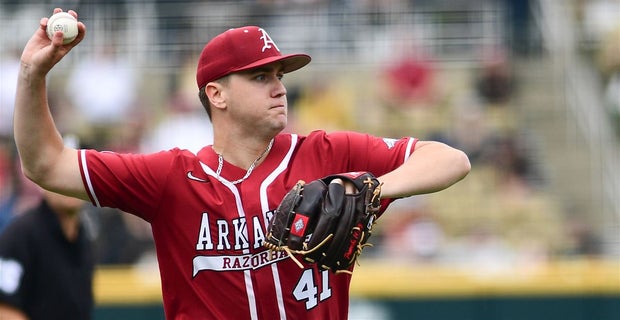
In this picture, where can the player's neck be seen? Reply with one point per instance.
(243, 154)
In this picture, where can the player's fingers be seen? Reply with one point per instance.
(73, 13)
(43, 23)
(349, 187)
(81, 28)
(81, 33)
(57, 39)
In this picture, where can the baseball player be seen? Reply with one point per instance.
(209, 211)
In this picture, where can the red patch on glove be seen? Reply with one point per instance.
(300, 223)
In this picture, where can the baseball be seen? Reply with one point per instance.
(62, 21)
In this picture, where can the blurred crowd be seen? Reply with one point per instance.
(599, 29)
(499, 216)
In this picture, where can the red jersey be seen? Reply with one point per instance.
(208, 232)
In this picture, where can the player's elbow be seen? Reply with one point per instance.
(454, 163)
(456, 166)
(34, 172)
(462, 166)
(41, 170)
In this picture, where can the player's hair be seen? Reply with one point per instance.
(204, 99)
(202, 94)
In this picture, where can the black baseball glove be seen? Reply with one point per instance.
(325, 224)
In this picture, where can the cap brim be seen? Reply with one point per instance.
(290, 62)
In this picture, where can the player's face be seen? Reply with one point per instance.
(257, 98)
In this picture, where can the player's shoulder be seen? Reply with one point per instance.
(178, 158)
(168, 155)
(184, 153)
(339, 140)
(161, 161)
(336, 136)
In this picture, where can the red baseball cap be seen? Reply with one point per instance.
(242, 49)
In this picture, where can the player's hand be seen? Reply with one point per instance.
(41, 53)
(349, 187)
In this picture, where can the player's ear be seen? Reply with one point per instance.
(214, 91)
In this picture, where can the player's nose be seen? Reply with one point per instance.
(279, 89)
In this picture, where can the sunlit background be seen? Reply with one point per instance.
(530, 90)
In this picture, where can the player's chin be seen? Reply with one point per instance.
(279, 123)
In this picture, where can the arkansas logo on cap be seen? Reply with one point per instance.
(267, 42)
(242, 49)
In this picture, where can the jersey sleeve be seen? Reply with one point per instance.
(130, 182)
(352, 151)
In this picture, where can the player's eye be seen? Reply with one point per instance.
(262, 77)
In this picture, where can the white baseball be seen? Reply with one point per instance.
(62, 21)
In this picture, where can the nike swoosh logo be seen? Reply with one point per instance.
(191, 176)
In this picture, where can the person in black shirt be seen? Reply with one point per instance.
(47, 263)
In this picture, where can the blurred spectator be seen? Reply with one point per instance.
(518, 16)
(495, 82)
(494, 226)
(103, 88)
(598, 18)
(531, 221)
(608, 56)
(410, 231)
(582, 239)
(17, 193)
(121, 238)
(499, 217)
(324, 103)
(409, 82)
(184, 123)
(406, 96)
(481, 250)
(127, 135)
(470, 128)
(612, 99)
(9, 66)
(7, 183)
(510, 157)
(182, 120)
(46, 263)
(609, 64)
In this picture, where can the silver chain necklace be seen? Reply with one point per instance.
(220, 164)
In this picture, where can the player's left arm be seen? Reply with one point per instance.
(433, 166)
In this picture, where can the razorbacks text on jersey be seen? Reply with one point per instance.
(208, 232)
